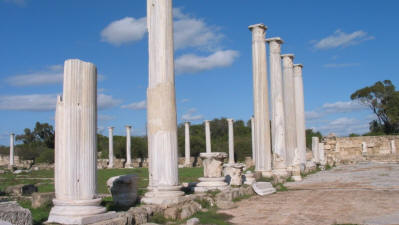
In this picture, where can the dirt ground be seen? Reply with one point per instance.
(353, 194)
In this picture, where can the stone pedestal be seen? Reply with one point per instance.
(110, 147)
(128, 163)
(187, 162)
(76, 199)
(163, 185)
(249, 178)
(261, 99)
(296, 173)
(233, 173)
(208, 136)
(12, 138)
(213, 167)
(300, 114)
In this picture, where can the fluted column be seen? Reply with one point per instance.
(128, 147)
(277, 98)
(12, 138)
(289, 111)
(76, 199)
(253, 138)
(110, 147)
(261, 111)
(187, 155)
(161, 106)
(300, 113)
(315, 150)
(231, 141)
(208, 136)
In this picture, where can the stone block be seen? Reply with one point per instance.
(123, 189)
(193, 221)
(11, 212)
(263, 188)
(21, 189)
(42, 199)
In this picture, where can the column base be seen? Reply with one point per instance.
(129, 165)
(266, 174)
(78, 212)
(211, 183)
(166, 195)
(282, 173)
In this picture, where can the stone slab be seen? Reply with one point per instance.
(80, 220)
(263, 188)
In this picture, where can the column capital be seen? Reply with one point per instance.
(12, 134)
(292, 56)
(298, 65)
(207, 121)
(230, 120)
(275, 39)
(187, 122)
(110, 128)
(258, 25)
(128, 126)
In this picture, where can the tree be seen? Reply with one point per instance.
(311, 133)
(43, 133)
(383, 100)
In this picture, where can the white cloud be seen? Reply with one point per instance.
(189, 115)
(52, 75)
(340, 65)
(344, 126)
(46, 102)
(313, 115)
(124, 31)
(191, 63)
(343, 107)
(135, 105)
(342, 39)
(17, 2)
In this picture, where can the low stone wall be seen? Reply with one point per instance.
(5, 161)
(345, 150)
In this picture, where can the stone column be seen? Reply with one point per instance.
(12, 135)
(261, 111)
(315, 150)
(322, 156)
(290, 109)
(110, 147)
(278, 121)
(393, 147)
(364, 148)
(253, 139)
(187, 161)
(161, 107)
(76, 200)
(300, 113)
(231, 141)
(128, 148)
(208, 136)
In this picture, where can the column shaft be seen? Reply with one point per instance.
(315, 149)
(261, 111)
(187, 143)
(231, 141)
(253, 138)
(128, 147)
(208, 136)
(300, 113)
(12, 149)
(110, 147)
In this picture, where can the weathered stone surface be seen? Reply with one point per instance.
(263, 188)
(123, 189)
(12, 213)
(233, 173)
(213, 166)
(21, 189)
(249, 178)
(42, 199)
(193, 221)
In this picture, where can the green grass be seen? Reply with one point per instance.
(280, 187)
(213, 217)
(242, 197)
(39, 215)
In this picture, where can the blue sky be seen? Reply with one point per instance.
(344, 46)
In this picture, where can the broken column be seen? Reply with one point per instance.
(110, 147)
(231, 141)
(278, 123)
(300, 114)
(393, 147)
(12, 135)
(322, 156)
(164, 185)
(213, 168)
(261, 111)
(208, 136)
(315, 150)
(128, 163)
(76, 199)
(187, 162)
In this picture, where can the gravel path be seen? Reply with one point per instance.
(352, 194)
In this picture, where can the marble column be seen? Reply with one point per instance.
(393, 147)
(364, 148)
(76, 200)
(322, 156)
(128, 163)
(261, 105)
(300, 114)
(289, 111)
(253, 139)
(110, 147)
(164, 185)
(277, 98)
(12, 138)
(187, 161)
(208, 136)
(231, 141)
(315, 150)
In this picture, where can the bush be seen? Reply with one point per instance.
(46, 156)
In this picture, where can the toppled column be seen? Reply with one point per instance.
(231, 141)
(208, 137)
(163, 185)
(110, 147)
(128, 148)
(76, 199)
(393, 147)
(278, 121)
(187, 162)
(323, 161)
(253, 139)
(213, 168)
(315, 150)
(300, 114)
(12, 138)
(261, 111)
